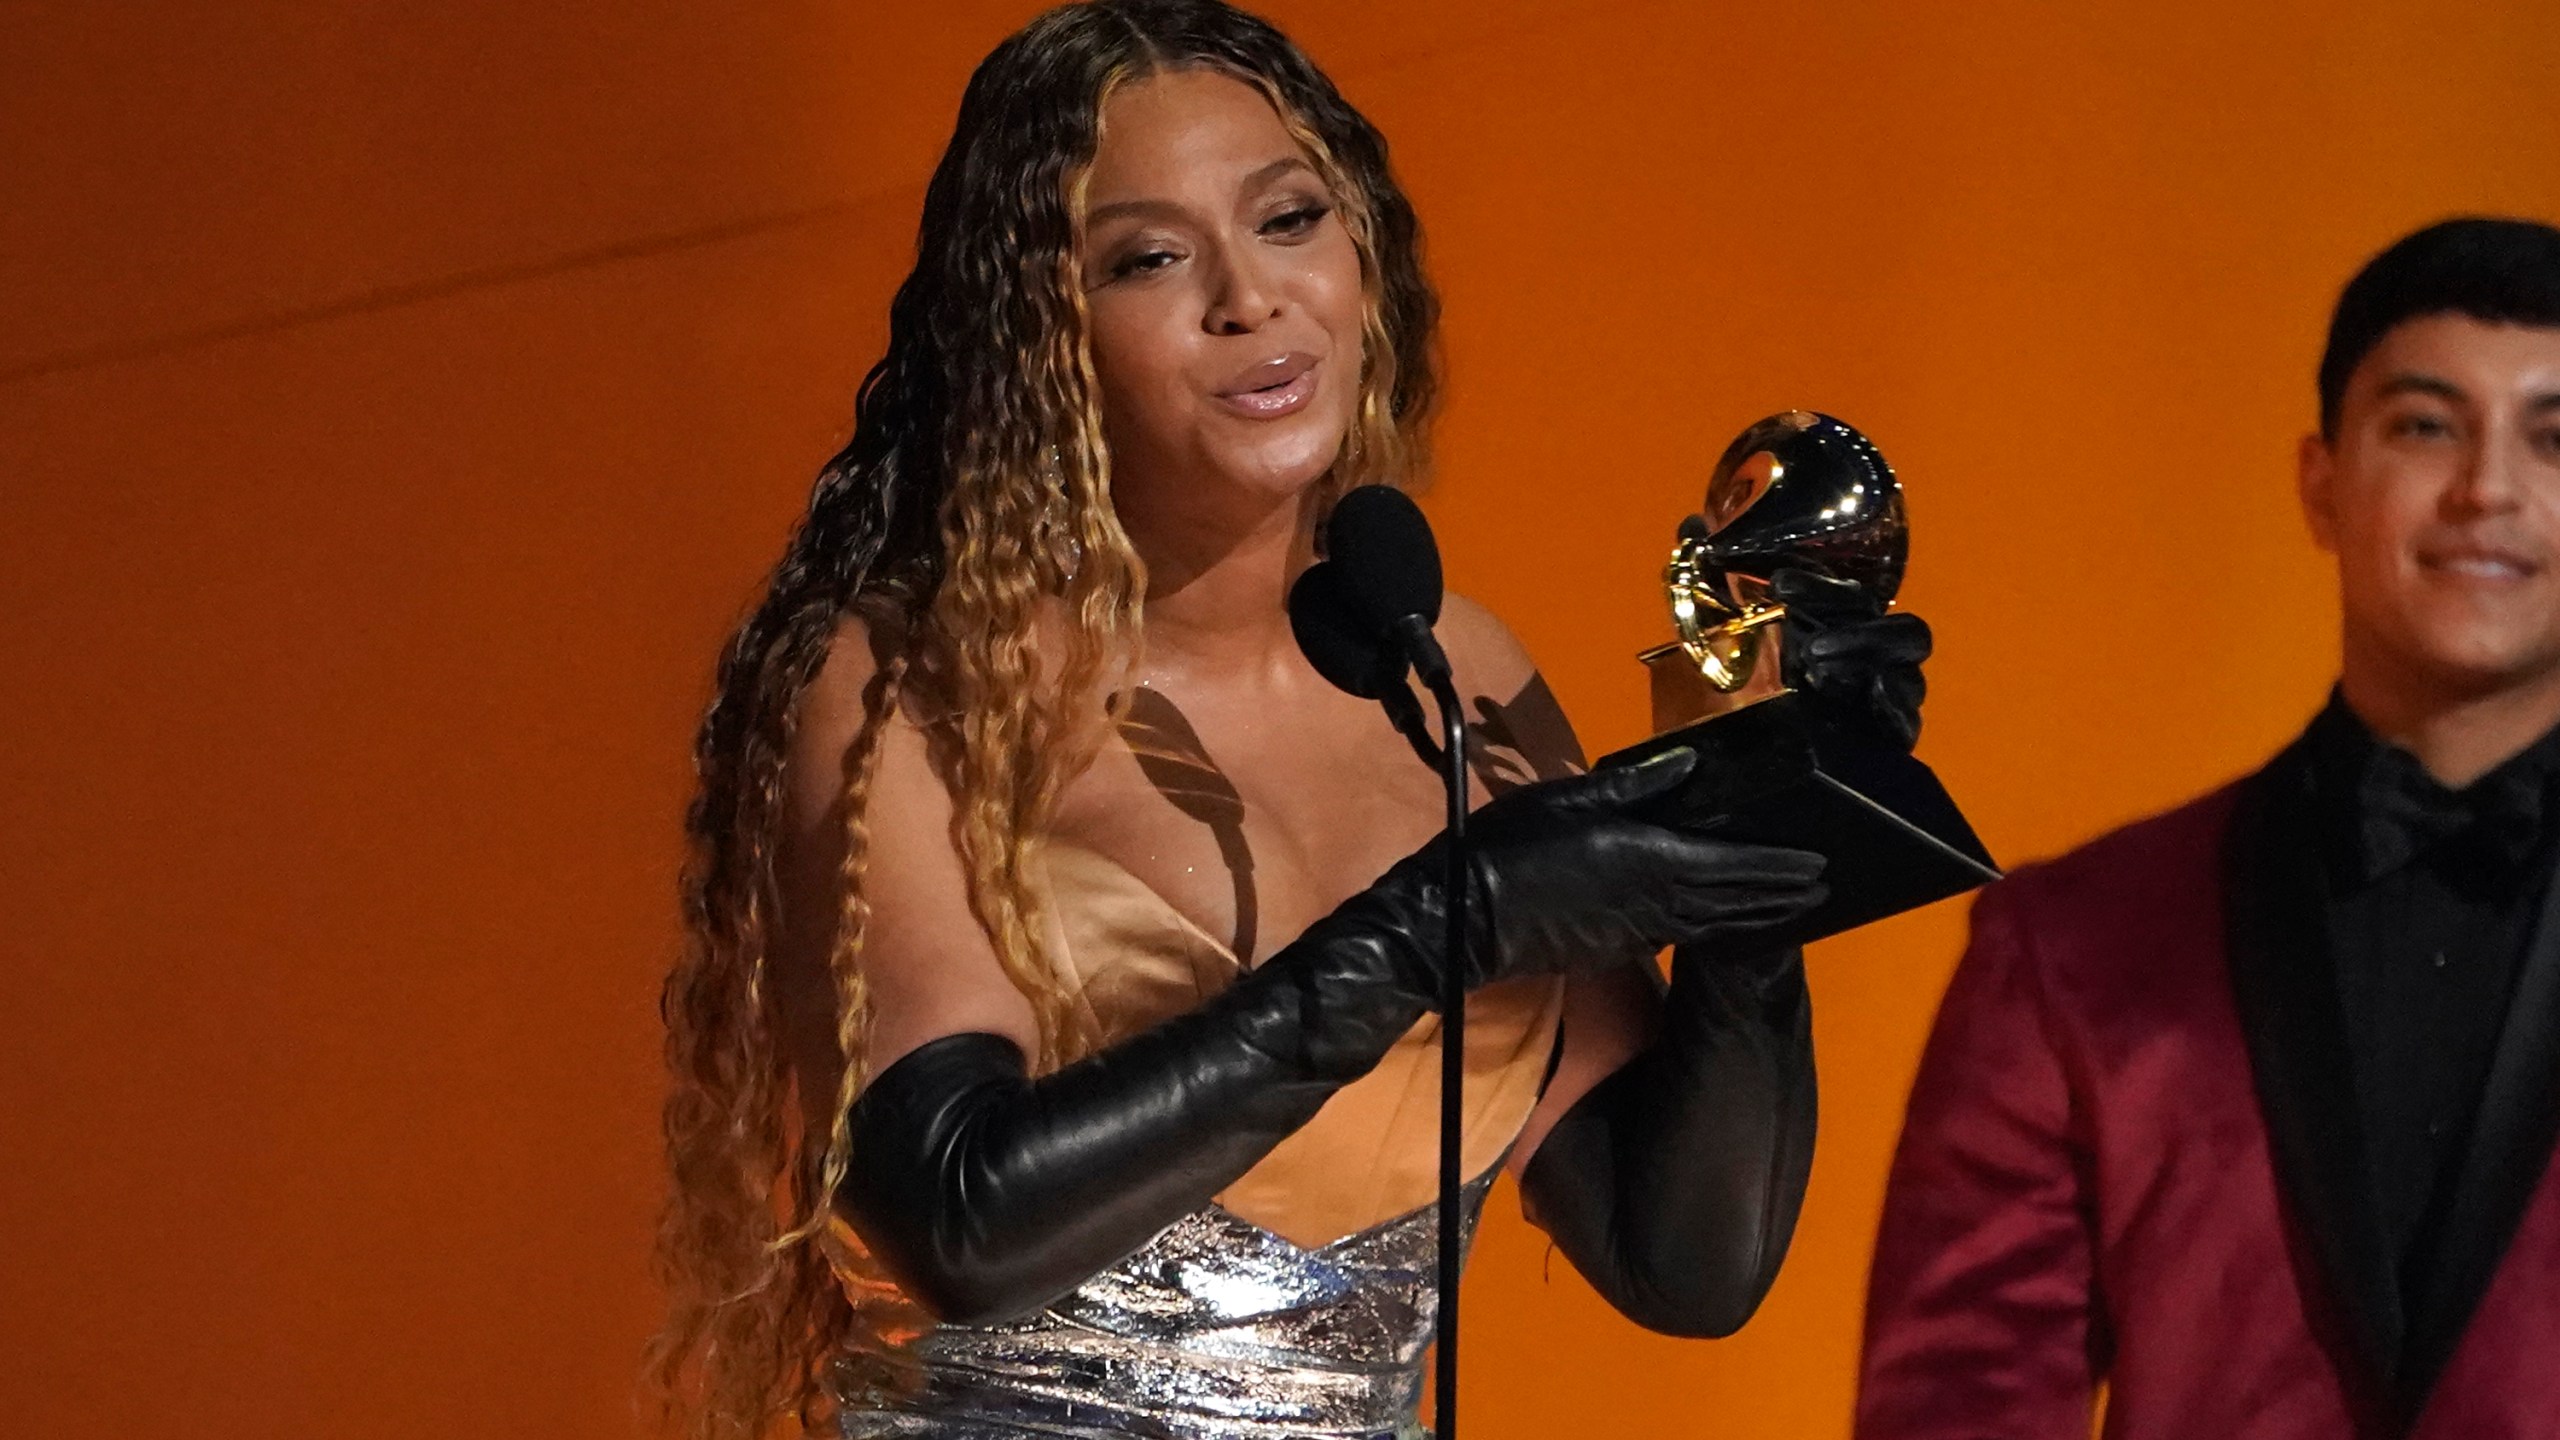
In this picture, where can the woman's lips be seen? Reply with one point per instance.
(1273, 388)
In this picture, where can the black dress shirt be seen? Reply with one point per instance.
(2432, 898)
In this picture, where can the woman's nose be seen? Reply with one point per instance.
(1243, 299)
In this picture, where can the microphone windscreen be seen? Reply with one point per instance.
(1341, 643)
(1390, 565)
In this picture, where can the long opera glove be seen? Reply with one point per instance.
(988, 1193)
(1674, 1185)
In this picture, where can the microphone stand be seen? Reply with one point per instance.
(1432, 666)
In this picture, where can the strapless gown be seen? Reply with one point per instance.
(1298, 1303)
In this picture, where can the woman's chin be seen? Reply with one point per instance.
(1281, 457)
(1277, 477)
(1268, 464)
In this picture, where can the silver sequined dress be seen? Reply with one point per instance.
(1216, 1330)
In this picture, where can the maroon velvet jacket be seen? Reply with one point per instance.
(2131, 1158)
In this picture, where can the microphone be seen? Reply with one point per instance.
(1380, 545)
(1355, 655)
(1335, 632)
(1363, 615)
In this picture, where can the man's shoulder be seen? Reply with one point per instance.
(2163, 863)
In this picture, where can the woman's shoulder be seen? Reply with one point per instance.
(833, 708)
(1517, 721)
(830, 708)
(1482, 649)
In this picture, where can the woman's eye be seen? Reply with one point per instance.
(1142, 263)
(1296, 220)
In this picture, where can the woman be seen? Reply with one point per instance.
(1053, 1056)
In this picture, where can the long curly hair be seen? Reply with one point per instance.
(975, 492)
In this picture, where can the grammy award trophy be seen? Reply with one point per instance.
(1798, 491)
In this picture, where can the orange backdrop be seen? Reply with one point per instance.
(397, 403)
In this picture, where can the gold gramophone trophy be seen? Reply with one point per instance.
(1798, 491)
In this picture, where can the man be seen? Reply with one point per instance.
(2247, 1111)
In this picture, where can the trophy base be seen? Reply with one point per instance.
(1773, 774)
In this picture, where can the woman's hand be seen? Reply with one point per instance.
(1575, 874)
(1569, 874)
(1858, 661)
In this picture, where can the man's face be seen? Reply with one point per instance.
(2440, 496)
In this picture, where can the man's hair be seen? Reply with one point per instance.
(2504, 272)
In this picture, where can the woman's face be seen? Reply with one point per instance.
(1225, 300)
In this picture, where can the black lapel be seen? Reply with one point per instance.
(2283, 976)
(2511, 1143)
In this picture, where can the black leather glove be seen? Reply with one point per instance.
(1862, 663)
(1565, 875)
(1674, 1185)
(988, 1193)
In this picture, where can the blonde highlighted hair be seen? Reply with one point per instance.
(976, 489)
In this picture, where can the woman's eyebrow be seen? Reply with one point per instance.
(1275, 170)
(1161, 209)
(1166, 209)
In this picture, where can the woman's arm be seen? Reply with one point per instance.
(1669, 1155)
(927, 965)
(1674, 1184)
(987, 1191)
(984, 1191)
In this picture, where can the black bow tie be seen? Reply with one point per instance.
(2406, 813)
